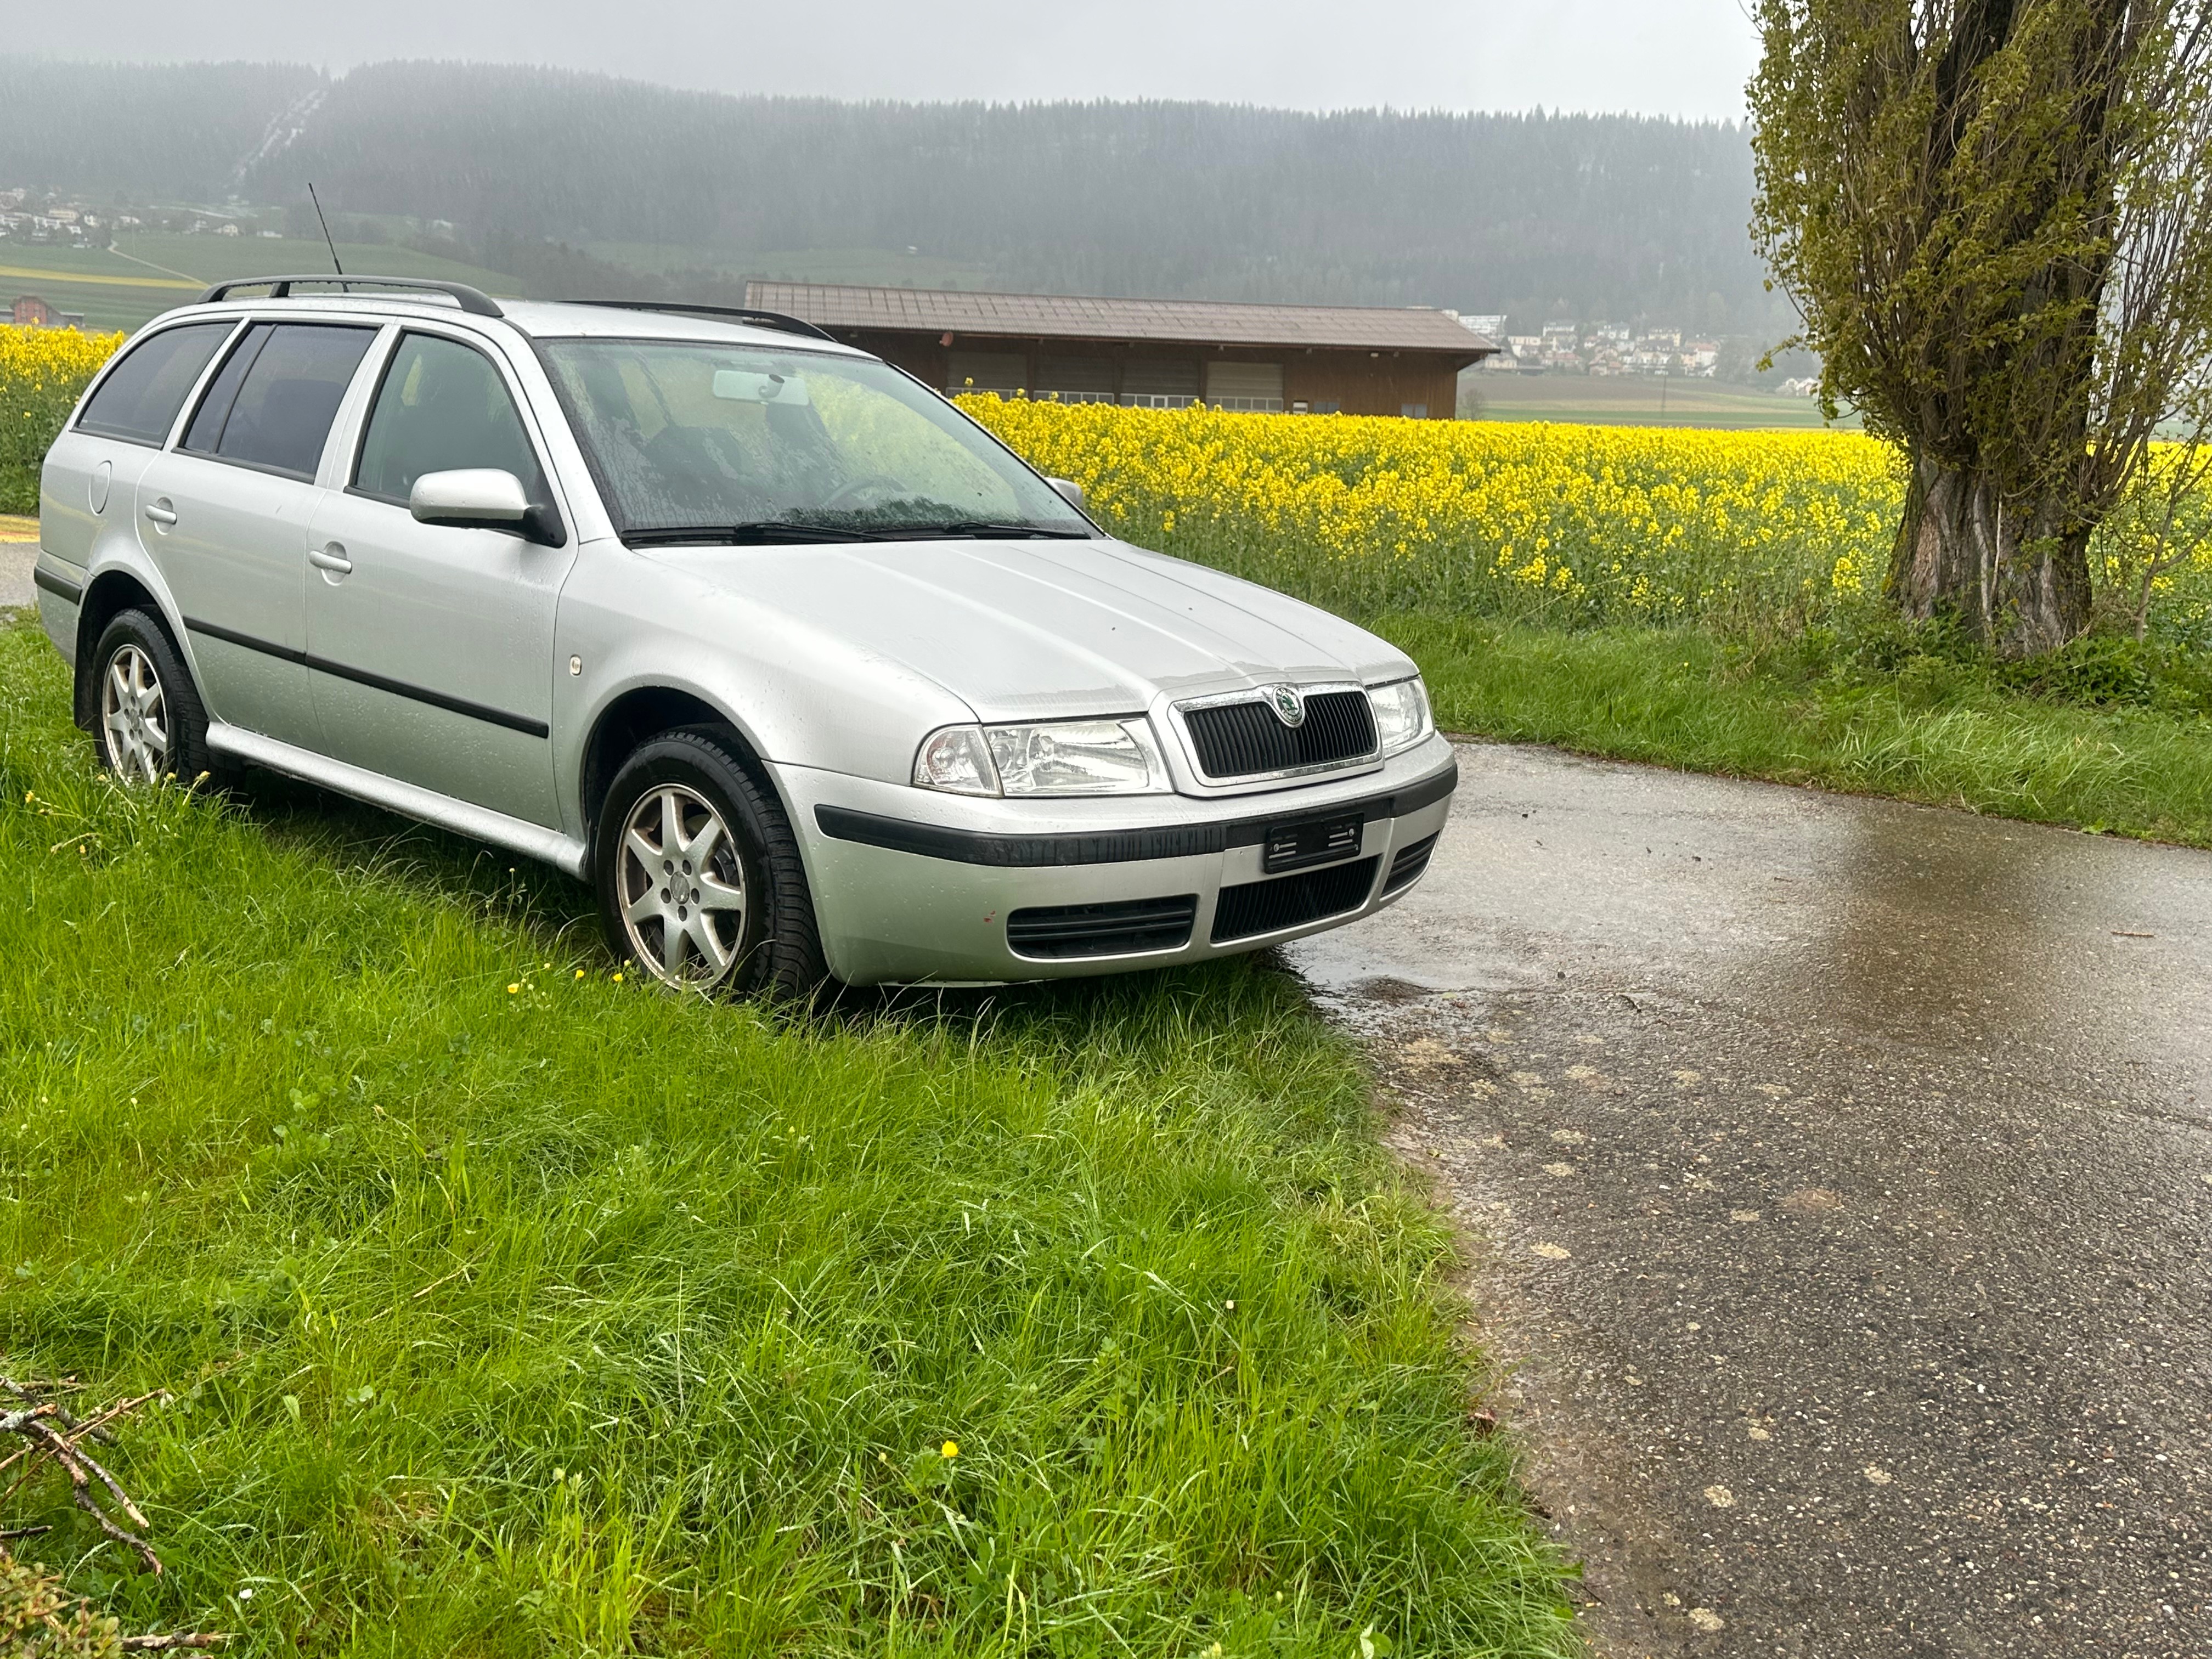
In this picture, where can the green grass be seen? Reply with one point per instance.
(512, 1310)
(1643, 400)
(2111, 736)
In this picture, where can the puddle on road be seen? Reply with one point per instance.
(2025, 944)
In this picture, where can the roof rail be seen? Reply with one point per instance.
(742, 313)
(474, 300)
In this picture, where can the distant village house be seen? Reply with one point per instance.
(1602, 349)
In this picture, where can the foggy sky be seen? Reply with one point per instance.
(1688, 57)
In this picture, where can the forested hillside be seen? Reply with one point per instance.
(137, 130)
(1617, 216)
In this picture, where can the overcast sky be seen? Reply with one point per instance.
(1688, 57)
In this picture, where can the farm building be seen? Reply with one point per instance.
(29, 310)
(1159, 353)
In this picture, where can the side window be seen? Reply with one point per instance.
(140, 398)
(442, 406)
(215, 404)
(273, 403)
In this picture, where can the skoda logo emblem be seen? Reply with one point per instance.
(1290, 707)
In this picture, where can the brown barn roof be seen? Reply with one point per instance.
(1052, 316)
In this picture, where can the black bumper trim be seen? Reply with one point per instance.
(1253, 908)
(1120, 927)
(935, 841)
(1407, 865)
(60, 587)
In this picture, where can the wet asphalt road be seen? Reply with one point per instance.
(17, 559)
(1840, 1175)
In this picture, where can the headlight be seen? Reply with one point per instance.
(1401, 714)
(1079, 757)
(1064, 757)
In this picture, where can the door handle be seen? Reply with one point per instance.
(331, 558)
(161, 513)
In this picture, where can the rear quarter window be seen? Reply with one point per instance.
(139, 397)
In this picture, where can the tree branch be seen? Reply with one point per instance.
(51, 1432)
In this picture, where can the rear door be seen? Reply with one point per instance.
(431, 645)
(225, 516)
(123, 425)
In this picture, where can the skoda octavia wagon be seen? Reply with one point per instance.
(806, 672)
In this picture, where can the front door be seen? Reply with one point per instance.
(430, 647)
(225, 517)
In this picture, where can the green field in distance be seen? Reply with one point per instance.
(148, 274)
(1643, 400)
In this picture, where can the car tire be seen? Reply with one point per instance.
(148, 720)
(699, 875)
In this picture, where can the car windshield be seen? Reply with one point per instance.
(692, 440)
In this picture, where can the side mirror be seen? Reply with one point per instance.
(1071, 489)
(482, 497)
(485, 498)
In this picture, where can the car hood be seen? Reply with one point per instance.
(1024, 630)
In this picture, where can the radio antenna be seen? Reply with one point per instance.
(325, 224)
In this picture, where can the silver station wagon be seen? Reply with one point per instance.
(805, 671)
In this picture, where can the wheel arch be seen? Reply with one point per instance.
(107, 596)
(644, 712)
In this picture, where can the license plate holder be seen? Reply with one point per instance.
(1300, 843)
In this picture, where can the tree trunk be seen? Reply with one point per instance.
(2012, 575)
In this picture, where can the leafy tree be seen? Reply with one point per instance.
(1993, 216)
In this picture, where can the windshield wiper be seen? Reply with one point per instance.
(983, 529)
(758, 532)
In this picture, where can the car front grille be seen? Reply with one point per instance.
(1125, 928)
(1245, 740)
(1407, 863)
(1253, 907)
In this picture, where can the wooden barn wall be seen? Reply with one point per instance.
(1360, 382)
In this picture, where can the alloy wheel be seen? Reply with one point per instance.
(134, 717)
(682, 887)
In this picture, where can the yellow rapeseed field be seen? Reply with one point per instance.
(1621, 524)
(42, 371)
(1561, 524)
(36, 357)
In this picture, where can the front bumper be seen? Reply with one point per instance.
(910, 886)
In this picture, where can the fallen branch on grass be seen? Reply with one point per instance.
(54, 1434)
(169, 1643)
(51, 1432)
